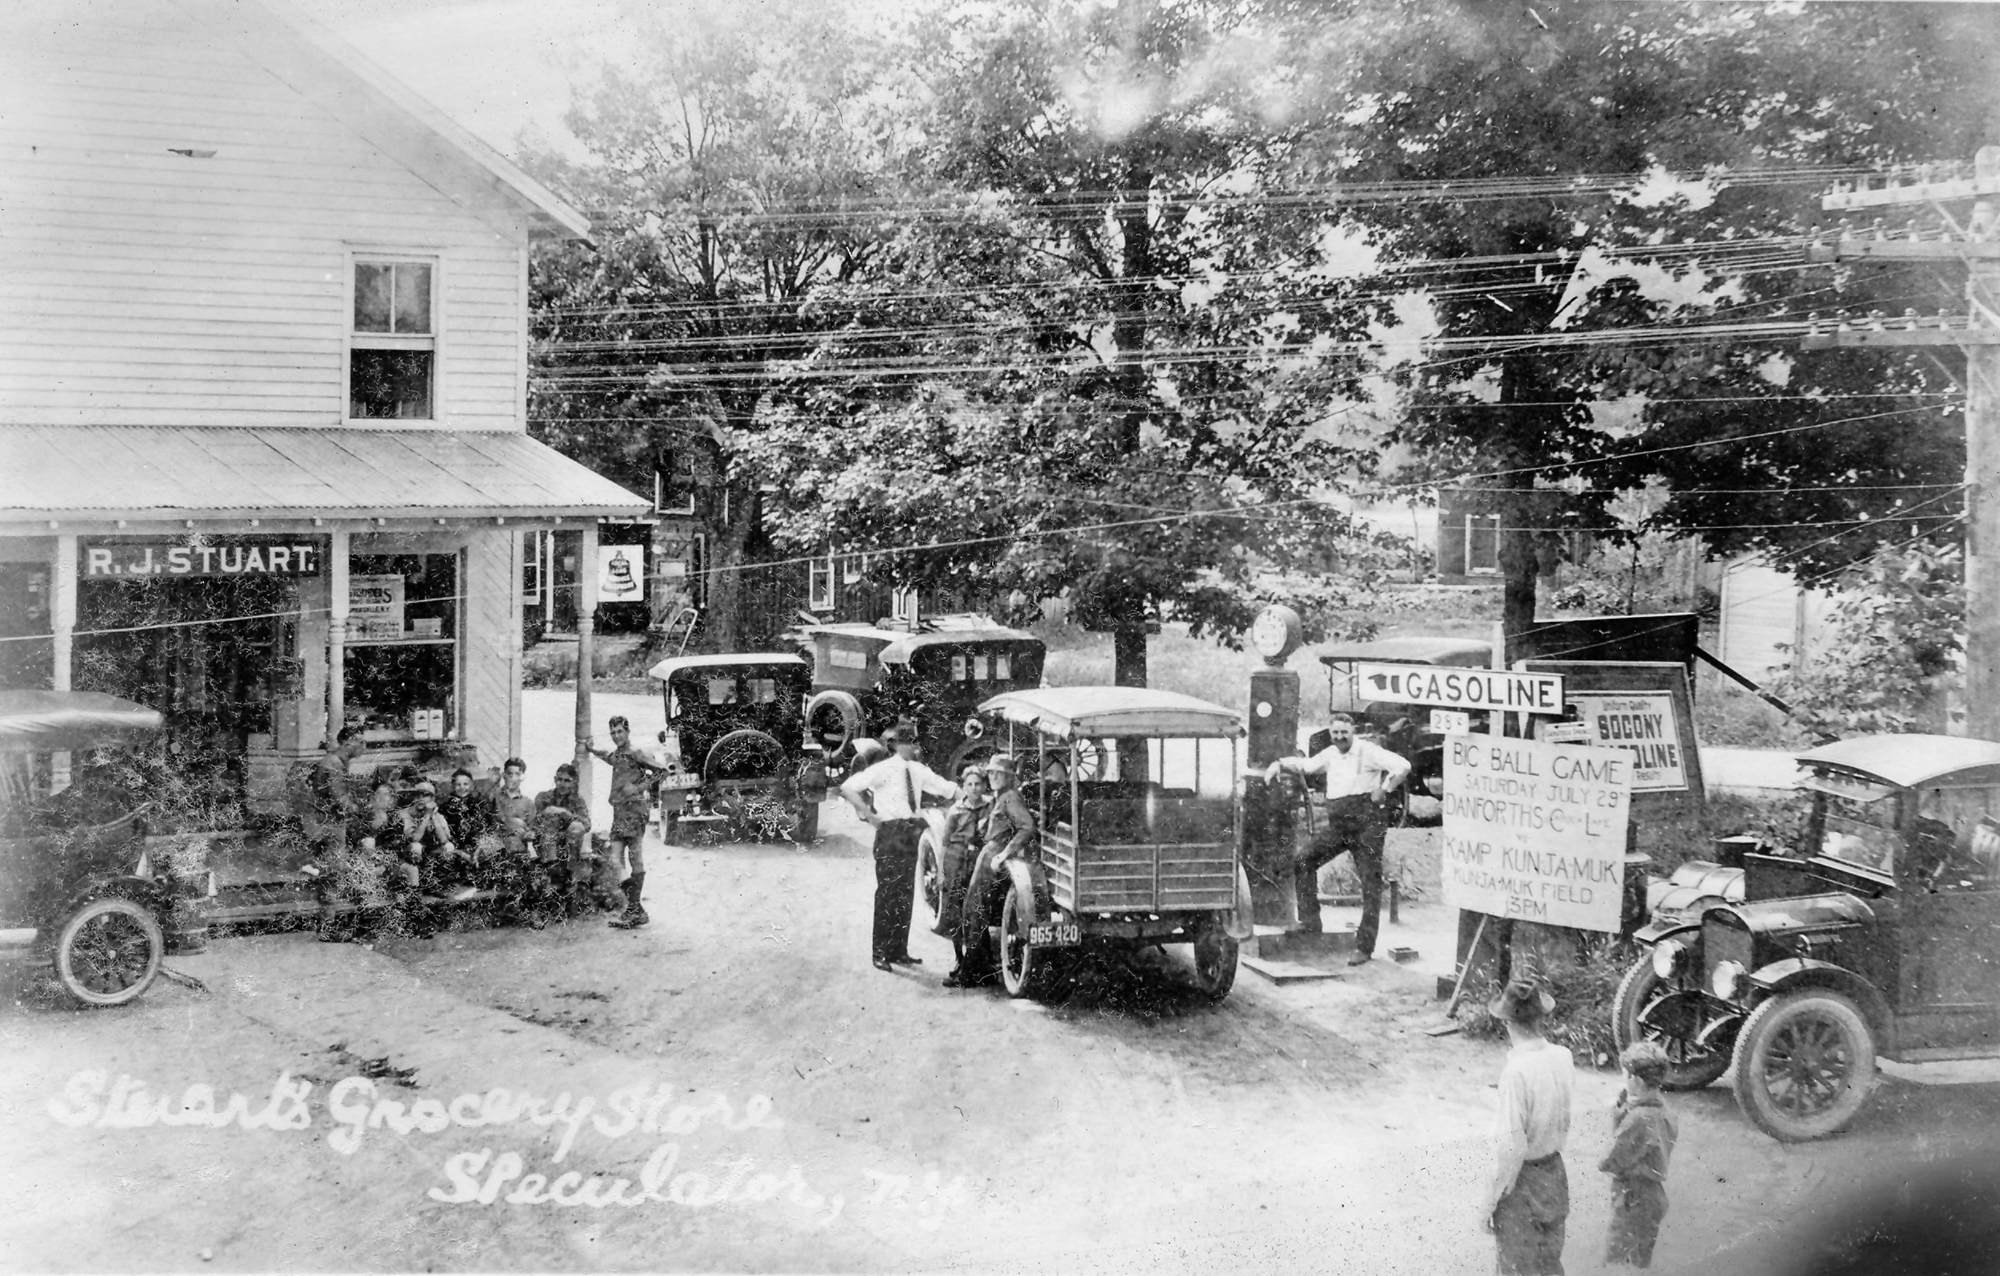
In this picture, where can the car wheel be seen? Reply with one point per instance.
(834, 719)
(930, 882)
(1649, 1008)
(1019, 963)
(1804, 1064)
(971, 753)
(109, 951)
(1214, 960)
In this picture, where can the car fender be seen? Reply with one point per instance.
(1655, 931)
(1792, 973)
(1032, 884)
(140, 890)
(1239, 924)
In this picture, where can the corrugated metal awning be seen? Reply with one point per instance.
(87, 472)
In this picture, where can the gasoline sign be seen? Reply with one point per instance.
(1444, 688)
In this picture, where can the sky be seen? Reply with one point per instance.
(498, 67)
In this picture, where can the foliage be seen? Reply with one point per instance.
(1586, 994)
(1443, 93)
(1892, 656)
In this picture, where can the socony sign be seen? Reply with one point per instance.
(1462, 688)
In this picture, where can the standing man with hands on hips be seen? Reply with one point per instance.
(889, 796)
(1359, 778)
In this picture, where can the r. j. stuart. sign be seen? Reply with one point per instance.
(194, 555)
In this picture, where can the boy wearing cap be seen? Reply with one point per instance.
(1010, 827)
(1643, 1138)
(888, 795)
(561, 829)
(1527, 1205)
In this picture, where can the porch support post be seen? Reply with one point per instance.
(336, 635)
(586, 627)
(62, 631)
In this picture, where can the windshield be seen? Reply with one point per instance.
(1860, 832)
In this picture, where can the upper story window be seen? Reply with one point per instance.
(1482, 544)
(392, 349)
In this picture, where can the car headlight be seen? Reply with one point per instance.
(1729, 980)
(974, 728)
(1669, 958)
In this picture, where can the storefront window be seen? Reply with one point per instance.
(402, 657)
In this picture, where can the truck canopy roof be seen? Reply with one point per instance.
(1115, 711)
(1912, 760)
(726, 660)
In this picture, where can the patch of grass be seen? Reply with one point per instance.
(1673, 840)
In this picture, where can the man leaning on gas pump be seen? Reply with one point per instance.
(1360, 775)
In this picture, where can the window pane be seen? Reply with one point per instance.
(1002, 667)
(393, 384)
(1482, 549)
(413, 297)
(372, 286)
(722, 690)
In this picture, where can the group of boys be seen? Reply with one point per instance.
(1527, 1203)
(388, 850)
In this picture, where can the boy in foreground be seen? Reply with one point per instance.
(1637, 1163)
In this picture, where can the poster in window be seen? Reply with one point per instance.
(375, 607)
(621, 573)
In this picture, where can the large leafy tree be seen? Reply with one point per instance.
(1128, 358)
(733, 168)
(1504, 143)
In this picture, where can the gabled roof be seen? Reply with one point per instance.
(334, 75)
(93, 472)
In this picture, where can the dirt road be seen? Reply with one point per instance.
(772, 1102)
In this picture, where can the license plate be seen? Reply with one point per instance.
(1055, 935)
(681, 780)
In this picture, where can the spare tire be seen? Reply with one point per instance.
(834, 719)
(743, 755)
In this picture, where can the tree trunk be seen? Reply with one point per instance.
(728, 583)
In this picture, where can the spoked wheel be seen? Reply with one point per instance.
(1020, 964)
(930, 881)
(108, 952)
(1214, 960)
(1804, 1063)
(1671, 1013)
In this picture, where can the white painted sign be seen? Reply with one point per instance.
(621, 573)
(1566, 733)
(1643, 722)
(1461, 688)
(1451, 722)
(1536, 831)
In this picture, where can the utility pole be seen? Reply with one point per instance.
(1975, 244)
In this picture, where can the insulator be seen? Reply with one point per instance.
(1880, 232)
(1910, 317)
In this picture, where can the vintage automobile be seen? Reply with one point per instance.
(866, 678)
(1142, 859)
(735, 745)
(1408, 730)
(1878, 937)
(78, 889)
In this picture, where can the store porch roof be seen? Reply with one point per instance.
(97, 472)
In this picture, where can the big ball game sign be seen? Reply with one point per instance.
(1536, 831)
(198, 556)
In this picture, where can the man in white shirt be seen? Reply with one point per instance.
(1359, 778)
(1527, 1204)
(889, 795)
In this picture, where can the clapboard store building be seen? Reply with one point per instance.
(263, 368)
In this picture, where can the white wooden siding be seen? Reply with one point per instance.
(142, 287)
(491, 645)
(1762, 607)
